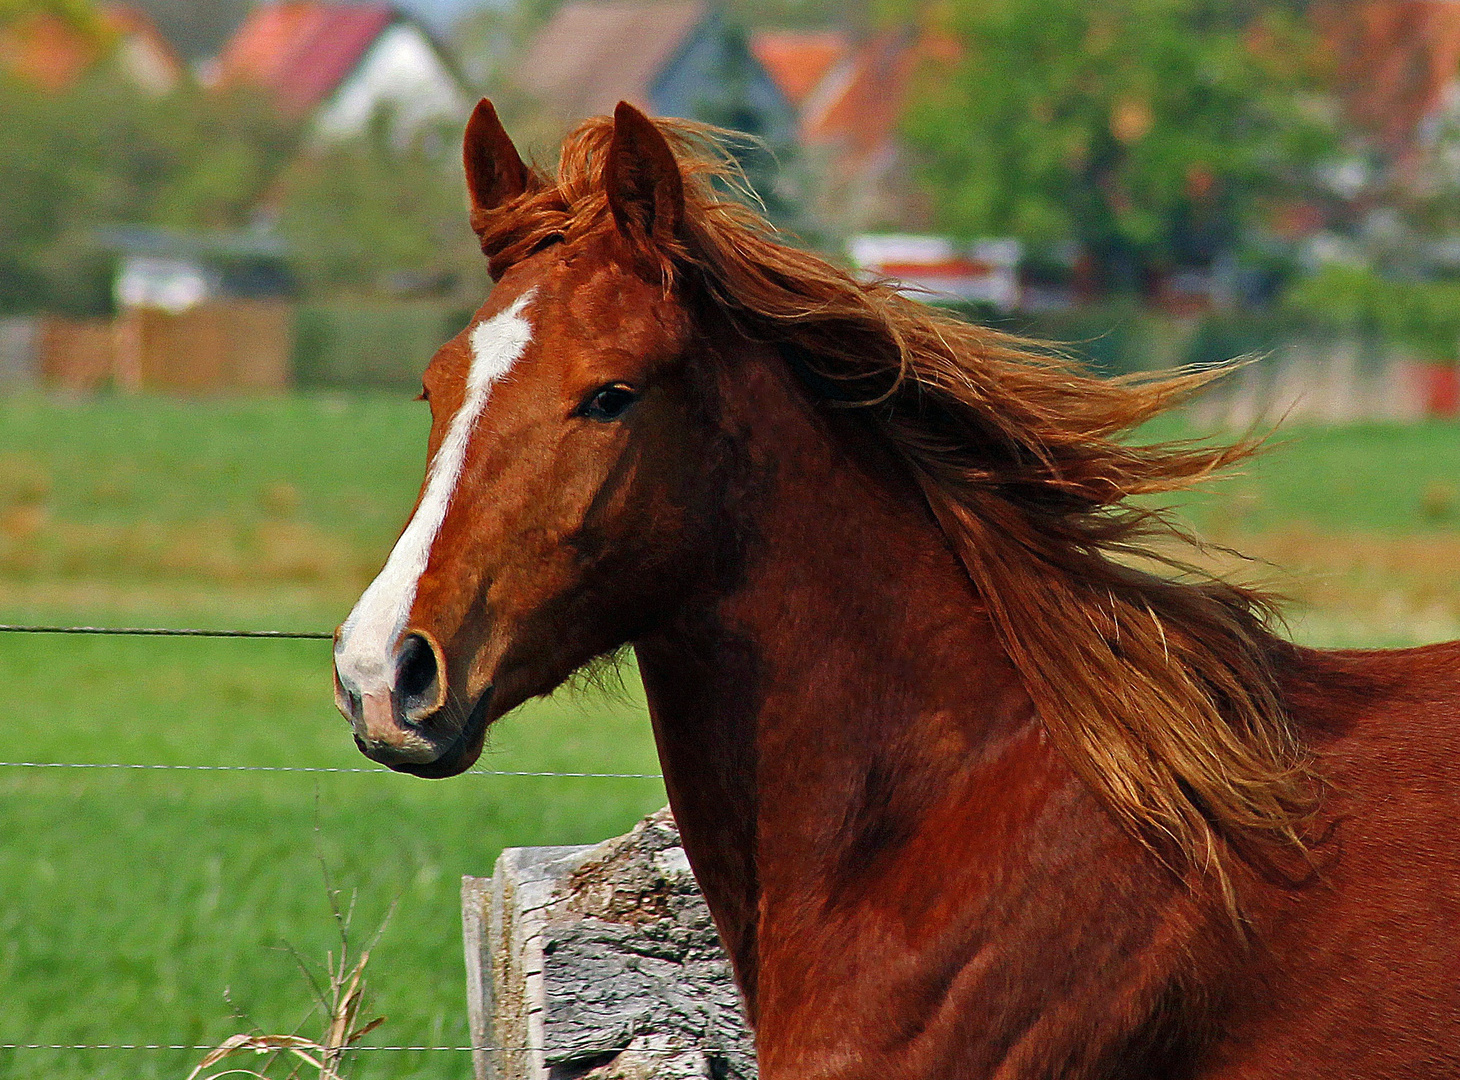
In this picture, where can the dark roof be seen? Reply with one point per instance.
(590, 56)
(201, 246)
(302, 50)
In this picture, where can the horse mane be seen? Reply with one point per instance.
(1157, 683)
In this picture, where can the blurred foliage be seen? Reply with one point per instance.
(105, 153)
(377, 343)
(853, 15)
(197, 30)
(1148, 131)
(1121, 336)
(373, 214)
(1422, 315)
(488, 40)
(78, 13)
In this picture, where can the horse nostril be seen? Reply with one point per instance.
(415, 670)
(347, 700)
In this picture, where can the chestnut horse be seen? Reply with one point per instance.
(975, 784)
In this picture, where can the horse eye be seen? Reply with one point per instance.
(608, 402)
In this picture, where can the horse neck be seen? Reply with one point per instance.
(848, 669)
(870, 803)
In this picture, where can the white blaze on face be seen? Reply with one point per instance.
(365, 653)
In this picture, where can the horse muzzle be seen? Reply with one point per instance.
(406, 720)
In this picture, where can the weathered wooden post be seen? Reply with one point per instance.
(600, 963)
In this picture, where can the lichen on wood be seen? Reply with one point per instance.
(604, 961)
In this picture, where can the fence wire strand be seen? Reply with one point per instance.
(164, 631)
(384, 1049)
(314, 769)
(307, 635)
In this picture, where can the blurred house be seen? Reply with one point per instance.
(849, 98)
(799, 61)
(198, 313)
(176, 271)
(671, 59)
(197, 29)
(56, 53)
(336, 66)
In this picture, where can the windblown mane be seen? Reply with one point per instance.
(1159, 688)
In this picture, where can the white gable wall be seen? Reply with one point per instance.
(403, 71)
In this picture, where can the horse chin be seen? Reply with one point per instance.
(461, 752)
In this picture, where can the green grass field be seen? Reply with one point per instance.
(130, 901)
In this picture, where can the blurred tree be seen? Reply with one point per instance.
(492, 42)
(488, 41)
(105, 153)
(1422, 316)
(371, 215)
(850, 15)
(78, 13)
(1150, 132)
(768, 155)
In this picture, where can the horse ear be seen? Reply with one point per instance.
(645, 188)
(495, 173)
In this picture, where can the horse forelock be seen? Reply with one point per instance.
(1158, 685)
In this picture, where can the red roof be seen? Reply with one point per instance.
(1394, 60)
(302, 50)
(48, 51)
(859, 103)
(799, 62)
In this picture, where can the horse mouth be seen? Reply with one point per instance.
(458, 754)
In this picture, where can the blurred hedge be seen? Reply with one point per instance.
(363, 344)
(1118, 339)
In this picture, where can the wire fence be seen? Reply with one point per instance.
(199, 1046)
(164, 631)
(424, 1049)
(315, 769)
(298, 635)
(305, 635)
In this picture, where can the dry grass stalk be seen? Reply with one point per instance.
(340, 1002)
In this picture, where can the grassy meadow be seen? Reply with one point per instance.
(132, 902)
(1357, 526)
(148, 907)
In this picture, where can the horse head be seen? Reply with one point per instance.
(562, 460)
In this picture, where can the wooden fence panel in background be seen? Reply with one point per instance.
(241, 345)
(77, 354)
(238, 346)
